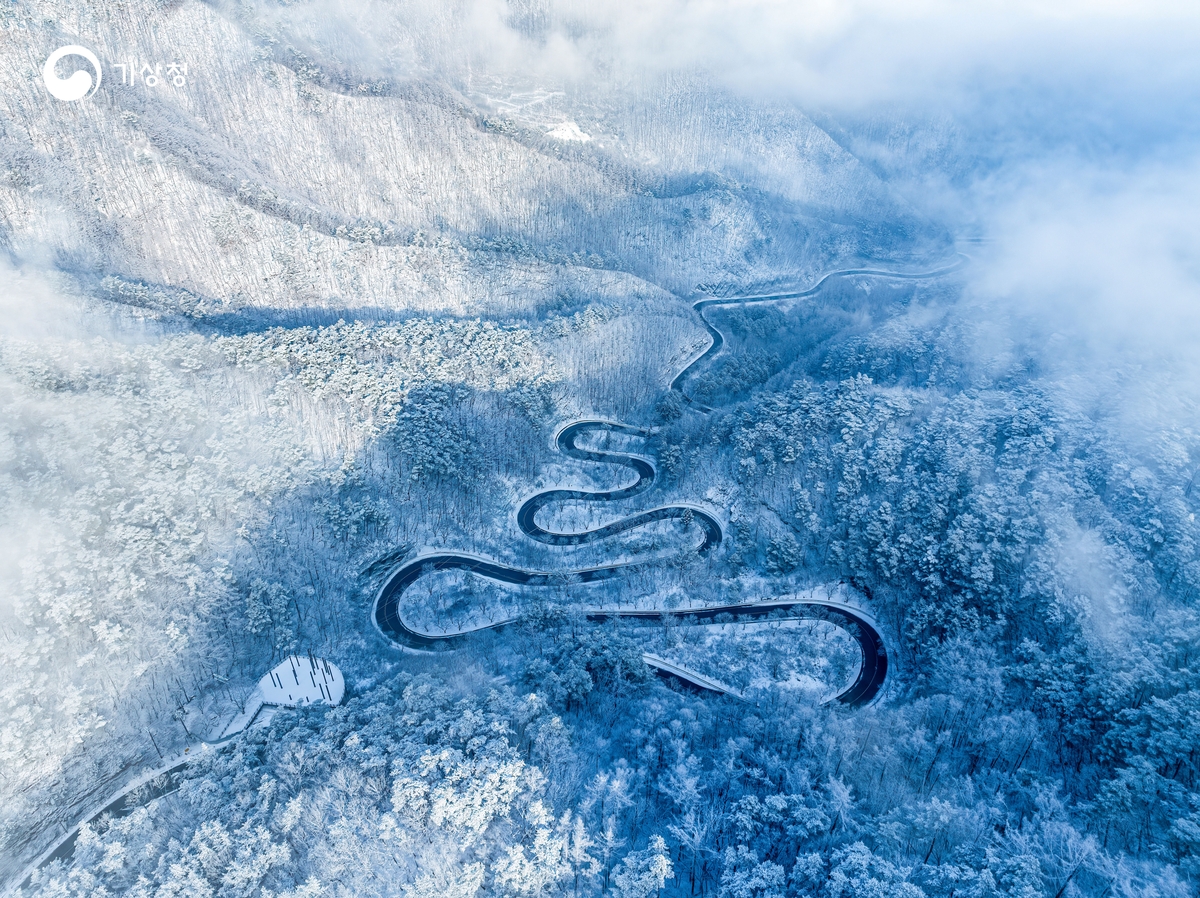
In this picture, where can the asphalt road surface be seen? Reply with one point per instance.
(873, 669)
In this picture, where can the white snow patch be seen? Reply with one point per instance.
(569, 131)
(302, 679)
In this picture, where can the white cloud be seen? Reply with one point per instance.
(846, 54)
(1113, 255)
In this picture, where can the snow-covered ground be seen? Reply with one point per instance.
(297, 680)
(300, 680)
(814, 658)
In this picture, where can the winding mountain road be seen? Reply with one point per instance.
(863, 690)
(718, 339)
(565, 442)
(874, 665)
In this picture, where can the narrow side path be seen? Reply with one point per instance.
(296, 681)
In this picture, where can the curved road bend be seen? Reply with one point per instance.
(873, 670)
(718, 339)
(871, 674)
(565, 442)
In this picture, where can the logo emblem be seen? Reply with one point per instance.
(79, 84)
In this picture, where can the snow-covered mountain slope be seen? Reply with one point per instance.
(279, 176)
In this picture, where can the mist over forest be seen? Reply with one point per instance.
(743, 450)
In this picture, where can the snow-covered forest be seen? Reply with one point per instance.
(321, 311)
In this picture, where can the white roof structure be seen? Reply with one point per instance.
(301, 680)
